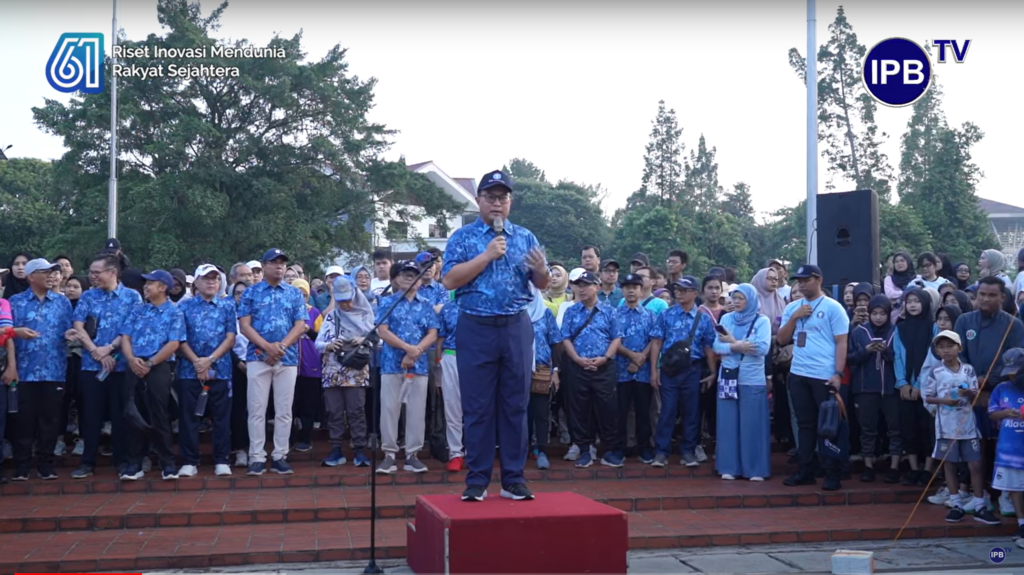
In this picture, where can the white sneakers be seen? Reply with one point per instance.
(222, 470)
(941, 496)
(241, 459)
(1006, 505)
(727, 477)
(699, 453)
(188, 471)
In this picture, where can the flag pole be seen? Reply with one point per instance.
(112, 186)
(812, 135)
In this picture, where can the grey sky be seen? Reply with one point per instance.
(573, 86)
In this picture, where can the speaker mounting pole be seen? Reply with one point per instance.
(812, 135)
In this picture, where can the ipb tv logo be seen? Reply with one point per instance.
(76, 64)
(898, 71)
(999, 554)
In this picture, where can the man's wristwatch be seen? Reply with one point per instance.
(840, 374)
(149, 363)
(554, 370)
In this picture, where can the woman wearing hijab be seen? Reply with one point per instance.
(959, 299)
(772, 304)
(911, 348)
(936, 302)
(363, 277)
(546, 337)
(991, 263)
(862, 294)
(963, 276)
(556, 294)
(16, 280)
(344, 388)
(307, 384)
(178, 292)
(743, 428)
(1018, 284)
(896, 283)
(946, 269)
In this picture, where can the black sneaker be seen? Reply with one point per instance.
(984, 515)
(83, 471)
(892, 476)
(517, 492)
(799, 479)
(832, 483)
(956, 515)
(911, 479)
(20, 474)
(868, 476)
(474, 493)
(923, 478)
(46, 473)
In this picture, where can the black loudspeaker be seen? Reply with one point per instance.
(848, 245)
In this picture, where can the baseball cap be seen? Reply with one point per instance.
(687, 282)
(40, 265)
(160, 276)
(609, 262)
(254, 265)
(334, 270)
(112, 245)
(640, 258)
(409, 266)
(807, 271)
(343, 289)
(582, 276)
(273, 254)
(202, 270)
(494, 179)
(633, 280)
(947, 334)
(189, 280)
(1013, 361)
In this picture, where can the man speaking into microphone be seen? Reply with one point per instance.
(490, 264)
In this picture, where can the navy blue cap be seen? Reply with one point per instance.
(161, 276)
(274, 253)
(494, 179)
(582, 276)
(687, 282)
(807, 271)
(633, 280)
(1013, 361)
(111, 246)
(609, 262)
(410, 266)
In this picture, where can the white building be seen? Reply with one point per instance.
(1008, 225)
(406, 239)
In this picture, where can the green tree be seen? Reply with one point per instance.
(718, 235)
(219, 169)
(31, 208)
(662, 180)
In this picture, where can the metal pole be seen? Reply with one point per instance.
(112, 187)
(812, 135)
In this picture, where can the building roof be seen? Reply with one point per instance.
(992, 208)
(468, 183)
(414, 167)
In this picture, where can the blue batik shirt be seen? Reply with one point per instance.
(410, 321)
(503, 287)
(594, 340)
(449, 317)
(110, 310)
(207, 325)
(435, 293)
(545, 335)
(674, 324)
(152, 327)
(637, 325)
(45, 357)
(274, 311)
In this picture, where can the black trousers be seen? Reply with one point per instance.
(239, 409)
(218, 408)
(153, 396)
(781, 417)
(70, 394)
(102, 399)
(639, 396)
(590, 389)
(539, 420)
(39, 404)
(917, 427)
(808, 395)
(308, 399)
(870, 406)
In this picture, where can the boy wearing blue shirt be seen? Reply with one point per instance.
(150, 337)
(634, 370)
(407, 333)
(1005, 409)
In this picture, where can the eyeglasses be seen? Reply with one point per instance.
(96, 273)
(503, 199)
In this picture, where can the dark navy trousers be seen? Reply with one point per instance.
(495, 362)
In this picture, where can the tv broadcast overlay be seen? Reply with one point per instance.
(139, 68)
(898, 71)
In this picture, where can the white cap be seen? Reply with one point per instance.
(202, 270)
(255, 265)
(189, 280)
(575, 274)
(334, 270)
(40, 265)
(947, 334)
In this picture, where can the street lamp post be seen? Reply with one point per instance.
(812, 135)
(112, 186)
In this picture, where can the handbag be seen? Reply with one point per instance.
(676, 359)
(830, 416)
(729, 377)
(541, 381)
(355, 356)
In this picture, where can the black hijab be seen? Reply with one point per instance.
(916, 333)
(902, 279)
(179, 277)
(961, 284)
(882, 331)
(953, 311)
(13, 285)
(948, 271)
(963, 301)
(1009, 302)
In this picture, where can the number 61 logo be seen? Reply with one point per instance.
(77, 63)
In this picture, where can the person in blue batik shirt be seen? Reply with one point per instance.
(490, 264)
(42, 319)
(273, 317)
(210, 324)
(680, 392)
(150, 337)
(407, 333)
(634, 370)
(592, 333)
(450, 390)
(98, 317)
(546, 338)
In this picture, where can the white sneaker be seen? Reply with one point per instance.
(222, 470)
(58, 448)
(106, 429)
(593, 453)
(757, 479)
(188, 471)
(147, 464)
(941, 496)
(727, 477)
(698, 452)
(573, 454)
(79, 447)
(856, 457)
(241, 459)
(971, 506)
(962, 496)
(1006, 505)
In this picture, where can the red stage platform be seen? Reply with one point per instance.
(555, 533)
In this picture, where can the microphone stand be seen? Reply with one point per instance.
(372, 567)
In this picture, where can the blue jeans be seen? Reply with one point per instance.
(680, 394)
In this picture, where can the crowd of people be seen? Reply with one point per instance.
(626, 365)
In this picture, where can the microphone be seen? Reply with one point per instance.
(498, 225)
